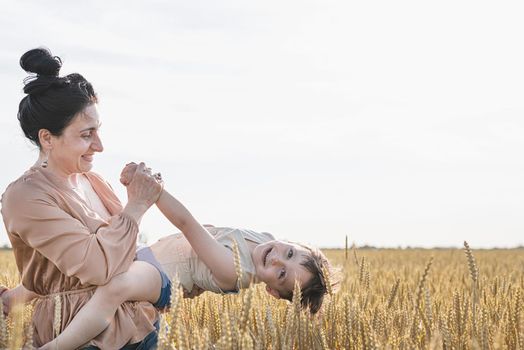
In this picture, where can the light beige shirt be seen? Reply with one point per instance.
(62, 247)
(179, 261)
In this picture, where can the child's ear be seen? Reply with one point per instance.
(273, 292)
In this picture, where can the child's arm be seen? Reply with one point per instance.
(14, 296)
(215, 256)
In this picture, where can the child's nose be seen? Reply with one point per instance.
(275, 261)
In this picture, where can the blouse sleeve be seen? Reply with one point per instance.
(92, 257)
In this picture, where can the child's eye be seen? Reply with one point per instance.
(281, 274)
(290, 254)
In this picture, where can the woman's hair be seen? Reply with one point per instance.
(52, 101)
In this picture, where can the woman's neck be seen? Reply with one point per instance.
(41, 159)
(69, 179)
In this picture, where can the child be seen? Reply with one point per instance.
(201, 259)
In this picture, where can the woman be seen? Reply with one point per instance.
(68, 230)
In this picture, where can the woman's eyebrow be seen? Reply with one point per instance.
(92, 128)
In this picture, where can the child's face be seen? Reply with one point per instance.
(278, 264)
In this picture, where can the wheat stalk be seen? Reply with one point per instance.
(422, 283)
(346, 249)
(238, 266)
(246, 309)
(474, 273)
(393, 293)
(3, 327)
(57, 320)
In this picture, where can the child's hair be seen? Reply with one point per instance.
(316, 288)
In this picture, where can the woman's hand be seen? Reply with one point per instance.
(5, 299)
(143, 188)
(127, 173)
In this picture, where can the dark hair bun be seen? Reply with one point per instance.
(41, 62)
(46, 66)
(51, 102)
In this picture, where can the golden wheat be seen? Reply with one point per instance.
(409, 303)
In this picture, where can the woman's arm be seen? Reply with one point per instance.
(14, 296)
(34, 217)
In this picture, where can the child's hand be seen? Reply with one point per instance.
(127, 173)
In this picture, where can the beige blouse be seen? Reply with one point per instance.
(64, 248)
(178, 259)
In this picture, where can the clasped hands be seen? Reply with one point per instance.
(129, 171)
(141, 183)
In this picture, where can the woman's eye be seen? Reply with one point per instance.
(290, 254)
(281, 274)
(86, 136)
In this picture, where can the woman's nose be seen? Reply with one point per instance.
(97, 144)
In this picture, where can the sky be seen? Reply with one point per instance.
(394, 123)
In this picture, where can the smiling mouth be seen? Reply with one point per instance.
(266, 253)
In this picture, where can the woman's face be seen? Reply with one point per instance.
(73, 151)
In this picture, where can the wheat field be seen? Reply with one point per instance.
(387, 299)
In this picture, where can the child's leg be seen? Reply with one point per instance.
(142, 282)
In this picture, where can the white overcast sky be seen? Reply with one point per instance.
(394, 122)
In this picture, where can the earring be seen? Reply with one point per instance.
(44, 163)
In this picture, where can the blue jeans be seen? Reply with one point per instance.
(148, 343)
(145, 254)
